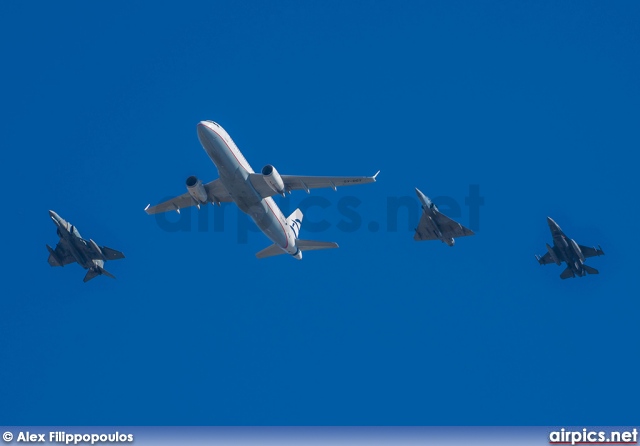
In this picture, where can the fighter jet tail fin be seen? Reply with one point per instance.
(590, 270)
(567, 273)
(95, 272)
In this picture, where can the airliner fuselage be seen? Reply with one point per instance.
(234, 172)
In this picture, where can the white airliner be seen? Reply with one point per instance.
(252, 193)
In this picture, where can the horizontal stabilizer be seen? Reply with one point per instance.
(590, 270)
(303, 245)
(111, 254)
(567, 273)
(105, 272)
(95, 272)
(312, 245)
(90, 275)
(270, 251)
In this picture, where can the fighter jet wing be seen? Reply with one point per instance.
(545, 259)
(216, 193)
(424, 231)
(111, 254)
(61, 256)
(298, 182)
(591, 252)
(451, 228)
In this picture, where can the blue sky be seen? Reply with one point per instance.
(535, 103)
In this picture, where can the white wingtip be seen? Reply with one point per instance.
(145, 209)
(374, 177)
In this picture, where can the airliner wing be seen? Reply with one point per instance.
(216, 193)
(299, 182)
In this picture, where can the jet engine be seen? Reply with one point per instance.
(196, 189)
(273, 179)
(96, 249)
(577, 250)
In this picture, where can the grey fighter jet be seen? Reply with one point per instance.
(73, 248)
(434, 225)
(568, 251)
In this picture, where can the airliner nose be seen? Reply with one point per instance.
(203, 129)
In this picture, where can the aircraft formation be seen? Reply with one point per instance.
(252, 192)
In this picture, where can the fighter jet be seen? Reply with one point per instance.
(434, 225)
(568, 251)
(253, 193)
(73, 248)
